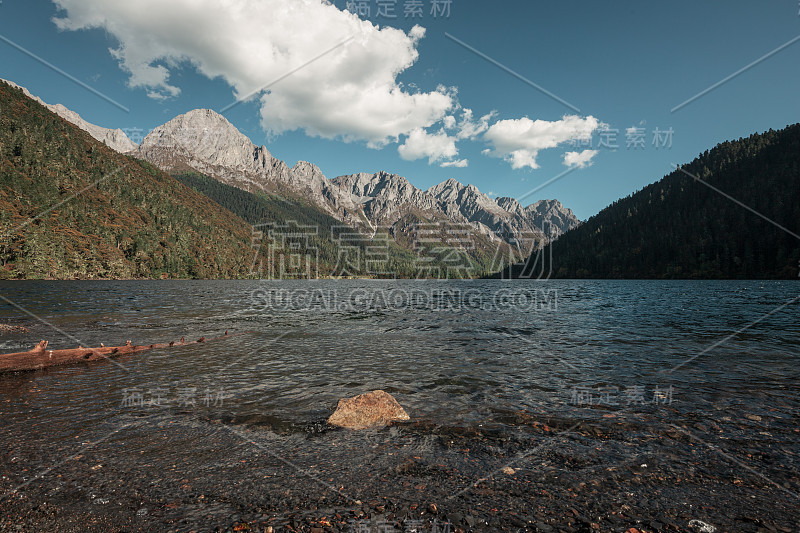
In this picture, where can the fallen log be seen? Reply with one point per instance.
(40, 357)
(5, 328)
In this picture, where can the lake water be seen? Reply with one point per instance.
(461, 357)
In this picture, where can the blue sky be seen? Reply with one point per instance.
(625, 64)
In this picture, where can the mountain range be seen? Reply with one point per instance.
(448, 230)
(189, 200)
(204, 141)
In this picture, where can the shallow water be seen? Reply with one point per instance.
(469, 356)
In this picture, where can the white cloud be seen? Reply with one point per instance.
(469, 128)
(435, 146)
(458, 163)
(351, 93)
(441, 147)
(519, 141)
(579, 159)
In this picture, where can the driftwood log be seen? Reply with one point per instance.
(40, 357)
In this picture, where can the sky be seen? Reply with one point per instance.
(581, 101)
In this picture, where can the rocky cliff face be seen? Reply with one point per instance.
(114, 139)
(388, 197)
(542, 214)
(385, 198)
(205, 141)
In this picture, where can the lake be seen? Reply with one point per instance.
(568, 382)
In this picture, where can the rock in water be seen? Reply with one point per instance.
(376, 408)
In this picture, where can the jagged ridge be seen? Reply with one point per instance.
(205, 141)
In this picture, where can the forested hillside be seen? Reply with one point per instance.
(70, 207)
(682, 228)
(263, 210)
(339, 249)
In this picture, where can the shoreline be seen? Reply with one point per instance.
(232, 477)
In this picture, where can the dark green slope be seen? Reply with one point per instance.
(70, 207)
(261, 210)
(340, 250)
(680, 228)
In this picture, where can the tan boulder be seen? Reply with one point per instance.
(376, 408)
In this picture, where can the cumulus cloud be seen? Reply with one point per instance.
(519, 141)
(579, 159)
(435, 146)
(440, 147)
(458, 163)
(467, 127)
(351, 93)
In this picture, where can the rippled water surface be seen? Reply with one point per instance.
(487, 358)
(467, 363)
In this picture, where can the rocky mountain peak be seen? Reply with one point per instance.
(510, 204)
(208, 142)
(552, 214)
(466, 199)
(447, 187)
(201, 131)
(205, 141)
(306, 167)
(308, 175)
(376, 185)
